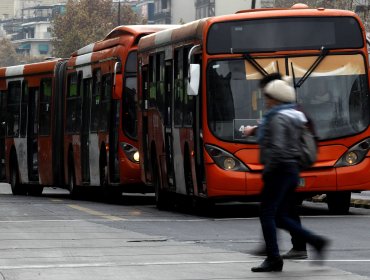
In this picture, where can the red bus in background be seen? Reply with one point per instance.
(100, 139)
(190, 133)
(32, 125)
(72, 123)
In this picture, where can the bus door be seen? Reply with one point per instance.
(58, 125)
(113, 141)
(2, 135)
(32, 133)
(168, 123)
(198, 132)
(85, 129)
(144, 109)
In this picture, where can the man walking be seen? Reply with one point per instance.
(279, 139)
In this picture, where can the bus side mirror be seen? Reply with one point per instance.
(118, 86)
(194, 79)
(117, 80)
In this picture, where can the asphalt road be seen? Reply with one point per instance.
(55, 237)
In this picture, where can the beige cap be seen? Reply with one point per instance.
(280, 90)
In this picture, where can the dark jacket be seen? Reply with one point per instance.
(281, 138)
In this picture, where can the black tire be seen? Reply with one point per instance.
(103, 169)
(74, 190)
(16, 186)
(161, 197)
(113, 194)
(339, 202)
(35, 190)
(188, 177)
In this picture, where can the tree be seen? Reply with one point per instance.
(85, 22)
(8, 55)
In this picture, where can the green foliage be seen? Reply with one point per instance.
(8, 55)
(85, 22)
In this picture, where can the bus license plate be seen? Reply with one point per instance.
(302, 182)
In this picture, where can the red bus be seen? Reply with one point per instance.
(31, 124)
(100, 141)
(72, 123)
(190, 133)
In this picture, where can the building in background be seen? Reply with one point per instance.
(13, 8)
(31, 32)
(145, 9)
(180, 11)
(209, 8)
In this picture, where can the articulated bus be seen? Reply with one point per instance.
(32, 122)
(100, 139)
(72, 123)
(198, 88)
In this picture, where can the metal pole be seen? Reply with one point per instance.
(253, 6)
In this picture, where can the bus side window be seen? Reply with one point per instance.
(188, 99)
(45, 108)
(178, 88)
(105, 101)
(95, 101)
(24, 105)
(129, 97)
(14, 96)
(72, 103)
(152, 81)
(160, 83)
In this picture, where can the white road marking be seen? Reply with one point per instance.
(111, 264)
(331, 260)
(72, 265)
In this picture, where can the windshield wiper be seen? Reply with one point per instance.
(256, 65)
(324, 52)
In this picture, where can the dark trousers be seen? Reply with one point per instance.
(298, 243)
(277, 201)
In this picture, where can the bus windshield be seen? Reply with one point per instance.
(335, 95)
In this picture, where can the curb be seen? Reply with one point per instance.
(355, 202)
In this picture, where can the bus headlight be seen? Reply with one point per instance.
(131, 152)
(225, 160)
(351, 158)
(229, 163)
(136, 156)
(355, 154)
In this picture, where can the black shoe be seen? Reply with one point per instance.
(270, 264)
(294, 254)
(320, 244)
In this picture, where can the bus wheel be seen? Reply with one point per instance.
(161, 197)
(73, 189)
(103, 176)
(103, 169)
(35, 190)
(190, 199)
(188, 178)
(339, 202)
(17, 188)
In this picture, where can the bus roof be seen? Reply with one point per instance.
(28, 69)
(194, 30)
(188, 31)
(117, 36)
